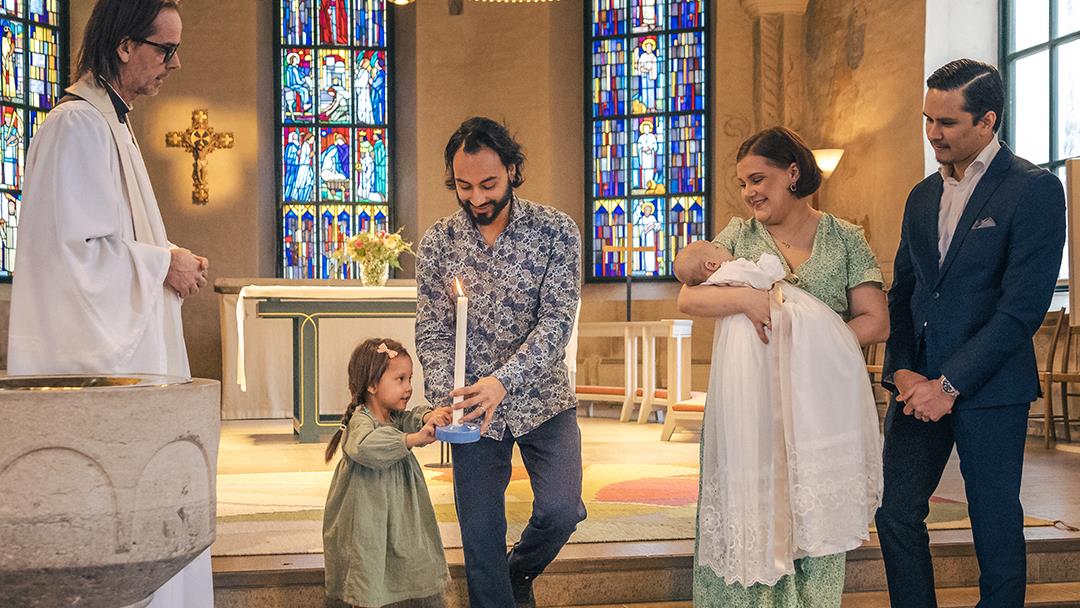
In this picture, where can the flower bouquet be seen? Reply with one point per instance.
(374, 254)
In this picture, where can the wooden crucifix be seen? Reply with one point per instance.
(629, 250)
(200, 140)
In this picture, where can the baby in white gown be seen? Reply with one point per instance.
(791, 457)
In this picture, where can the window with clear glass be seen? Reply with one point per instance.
(647, 185)
(33, 75)
(334, 156)
(1041, 62)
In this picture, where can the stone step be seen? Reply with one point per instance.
(641, 605)
(1039, 595)
(1042, 595)
(657, 571)
(1053, 557)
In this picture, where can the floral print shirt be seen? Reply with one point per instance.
(523, 296)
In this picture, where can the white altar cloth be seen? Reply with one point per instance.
(289, 292)
(259, 351)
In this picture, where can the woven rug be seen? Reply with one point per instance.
(267, 513)
(271, 513)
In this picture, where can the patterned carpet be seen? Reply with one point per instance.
(263, 513)
(267, 513)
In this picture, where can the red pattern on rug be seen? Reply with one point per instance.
(659, 491)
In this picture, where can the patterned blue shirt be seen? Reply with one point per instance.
(523, 294)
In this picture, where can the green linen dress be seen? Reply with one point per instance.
(380, 538)
(839, 260)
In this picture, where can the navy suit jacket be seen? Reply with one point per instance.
(974, 315)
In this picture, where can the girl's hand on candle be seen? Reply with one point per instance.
(440, 416)
(487, 394)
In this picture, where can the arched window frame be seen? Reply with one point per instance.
(319, 240)
(606, 199)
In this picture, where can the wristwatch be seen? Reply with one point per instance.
(948, 388)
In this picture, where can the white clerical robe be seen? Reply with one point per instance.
(89, 293)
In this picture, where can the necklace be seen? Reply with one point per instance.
(796, 233)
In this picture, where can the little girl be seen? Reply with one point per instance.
(380, 538)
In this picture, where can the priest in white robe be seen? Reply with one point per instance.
(98, 285)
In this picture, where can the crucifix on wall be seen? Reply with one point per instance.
(200, 140)
(629, 250)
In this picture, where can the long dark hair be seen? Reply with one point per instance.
(367, 365)
(478, 132)
(110, 23)
(781, 146)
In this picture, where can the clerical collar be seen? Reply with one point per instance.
(121, 106)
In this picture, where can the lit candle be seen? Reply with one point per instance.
(459, 345)
(458, 431)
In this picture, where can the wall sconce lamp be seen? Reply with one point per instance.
(827, 159)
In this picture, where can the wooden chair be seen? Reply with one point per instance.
(875, 362)
(1051, 328)
(1062, 368)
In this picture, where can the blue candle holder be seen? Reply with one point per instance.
(458, 433)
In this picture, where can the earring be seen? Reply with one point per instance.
(793, 187)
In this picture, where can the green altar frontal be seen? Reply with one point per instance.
(310, 424)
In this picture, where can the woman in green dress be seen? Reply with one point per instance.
(825, 256)
(380, 538)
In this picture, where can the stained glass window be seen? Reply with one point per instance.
(335, 162)
(648, 192)
(32, 77)
(1041, 59)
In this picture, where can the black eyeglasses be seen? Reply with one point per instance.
(168, 49)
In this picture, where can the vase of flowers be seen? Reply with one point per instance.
(373, 273)
(374, 254)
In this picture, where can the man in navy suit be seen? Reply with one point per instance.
(979, 254)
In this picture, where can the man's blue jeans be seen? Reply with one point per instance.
(552, 457)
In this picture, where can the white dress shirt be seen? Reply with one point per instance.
(955, 194)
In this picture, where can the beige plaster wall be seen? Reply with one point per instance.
(520, 64)
(857, 85)
(864, 90)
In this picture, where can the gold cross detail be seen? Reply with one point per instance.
(199, 139)
(628, 248)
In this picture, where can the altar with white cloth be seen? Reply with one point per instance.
(290, 341)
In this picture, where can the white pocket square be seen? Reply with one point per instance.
(986, 222)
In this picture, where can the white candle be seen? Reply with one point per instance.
(459, 345)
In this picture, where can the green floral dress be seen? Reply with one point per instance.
(380, 538)
(840, 260)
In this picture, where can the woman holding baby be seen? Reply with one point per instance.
(791, 456)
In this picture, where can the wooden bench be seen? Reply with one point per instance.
(685, 415)
(641, 336)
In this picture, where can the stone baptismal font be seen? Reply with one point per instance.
(107, 486)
